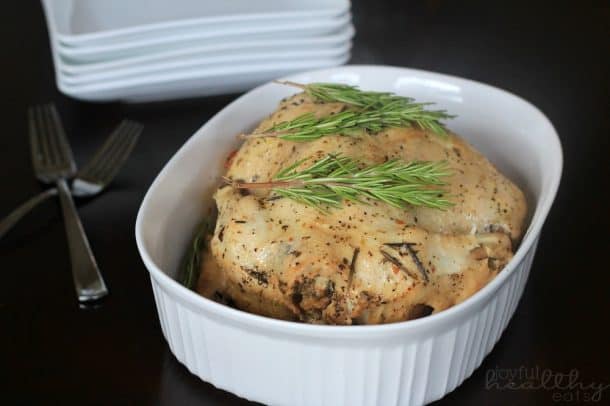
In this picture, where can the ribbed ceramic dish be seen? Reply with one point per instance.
(287, 363)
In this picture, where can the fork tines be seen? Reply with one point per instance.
(51, 154)
(113, 153)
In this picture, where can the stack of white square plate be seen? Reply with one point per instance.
(145, 50)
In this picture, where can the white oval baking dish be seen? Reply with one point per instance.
(280, 362)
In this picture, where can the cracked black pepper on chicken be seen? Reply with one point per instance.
(359, 263)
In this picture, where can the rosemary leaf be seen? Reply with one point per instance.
(191, 263)
(368, 111)
(334, 178)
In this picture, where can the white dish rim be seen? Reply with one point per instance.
(149, 92)
(358, 332)
(182, 74)
(202, 63)
(336, 40)
(329, 26)
(79, 39)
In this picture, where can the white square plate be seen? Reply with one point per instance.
(302, 29)
(214, 50)
(192, 36)
(214, 61)
(194, 82)
(99, 22)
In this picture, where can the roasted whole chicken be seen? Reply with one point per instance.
(362, 263)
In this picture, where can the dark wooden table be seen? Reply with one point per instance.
(53, 352)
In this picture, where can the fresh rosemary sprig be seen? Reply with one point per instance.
(191, 263)
(335, 178)
(369, 111)
(352, 95)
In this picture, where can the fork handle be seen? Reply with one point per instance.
(88, 281)
(9, 221)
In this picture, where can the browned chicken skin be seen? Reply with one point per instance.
(359, 264)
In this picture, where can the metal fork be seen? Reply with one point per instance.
(53, 163)
(93, 177)
(107, 161)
